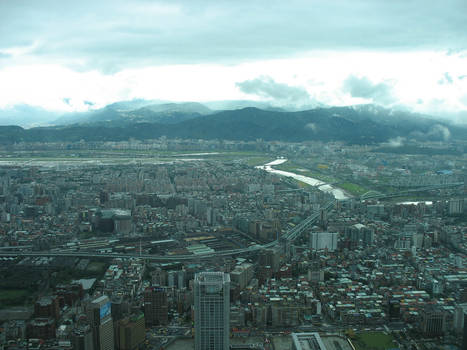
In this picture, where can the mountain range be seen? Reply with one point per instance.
(141, 119)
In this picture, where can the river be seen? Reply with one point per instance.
(337, 192)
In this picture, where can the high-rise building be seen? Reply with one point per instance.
(464, 337)
(100, 319)
(456, 206)
(270, 257)
(81, 338)
(131, 332)
(324, 240)
(41, 328)
(459, 312)
(433, 321)
(155, 306)
(212, 307)
(47, 306)
(159, 277)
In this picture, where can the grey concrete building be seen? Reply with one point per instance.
(212, 307)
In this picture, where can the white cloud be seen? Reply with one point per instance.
(318, 75)
(279, 93)
(378, 93)
(109, 50)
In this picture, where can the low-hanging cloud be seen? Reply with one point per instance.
(440, 131)
(282, 93)
(435, 133)
(312, 127)
(380, 93)
(396, 142)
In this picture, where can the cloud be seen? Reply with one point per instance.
(435, 133)
(312, 127)
(396, 142)
(380, 93)
(440, 131)
(266, 87)
(446, 79)
(109, 42)
(104, 34)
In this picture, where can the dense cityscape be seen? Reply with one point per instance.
(233, 175)
(192, 244)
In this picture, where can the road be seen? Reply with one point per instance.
(289, 237)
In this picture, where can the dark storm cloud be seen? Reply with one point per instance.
(111, 35)
(380, 93)
(268, 88)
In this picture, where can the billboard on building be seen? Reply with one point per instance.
(105, 310)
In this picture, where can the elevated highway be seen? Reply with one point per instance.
(159, 258)
(287, 238)
(377, 195)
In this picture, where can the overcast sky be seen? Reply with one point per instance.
(75, 55)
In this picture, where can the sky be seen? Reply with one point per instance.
(78, 55)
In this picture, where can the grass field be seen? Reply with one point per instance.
(96, 266)
(258, 160)
(352, 188)
(302, 184)
(294, 168)
(373, 341)
(13, 297)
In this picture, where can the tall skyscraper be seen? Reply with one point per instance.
(464, 337)
(212, 307)
(100, 319)
(131, 332)
(155, 306)
(81, 338)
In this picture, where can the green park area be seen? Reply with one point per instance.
(352, 188)
(97, 267)
(258, 160)
(13, 297)
(373, 341)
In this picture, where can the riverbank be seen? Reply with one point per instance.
(338, 193)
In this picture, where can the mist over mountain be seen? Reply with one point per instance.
(138, 111)
(363, 124)
(239, 104)
(26, 116)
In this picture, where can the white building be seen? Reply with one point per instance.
(324, 240)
